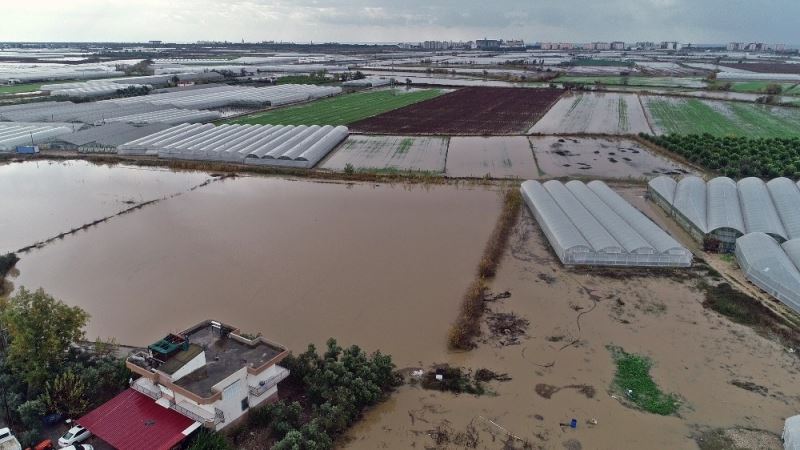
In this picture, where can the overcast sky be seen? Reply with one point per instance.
(698, 21)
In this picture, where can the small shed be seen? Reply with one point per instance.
(27, 149)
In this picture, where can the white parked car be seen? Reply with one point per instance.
(74, 435)
(79, 447)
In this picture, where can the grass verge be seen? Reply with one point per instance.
(468, 323)
(632, 379)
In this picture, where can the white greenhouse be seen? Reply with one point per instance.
(722, 210)
(290, 146)
(13, 134)
(591, 224)
(772, 267)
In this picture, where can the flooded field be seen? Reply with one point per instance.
(417, 153)
(595, 113)
(498, 157)
(42, 199)
(377, 265)
(562, 370)
(601, 158)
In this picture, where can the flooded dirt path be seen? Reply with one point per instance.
(378, 265)
(573, 316)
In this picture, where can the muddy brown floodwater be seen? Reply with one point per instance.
(697, 354)
(40, 199)
(376, 265)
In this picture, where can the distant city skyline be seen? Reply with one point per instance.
(709, 21)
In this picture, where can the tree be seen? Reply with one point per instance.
(66, 395)
(773, 89)
(41, 330)
(206, 439)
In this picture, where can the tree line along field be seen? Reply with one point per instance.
(467, 111)
(669, 115)
(340, 110)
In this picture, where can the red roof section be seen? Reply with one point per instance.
(133, 421)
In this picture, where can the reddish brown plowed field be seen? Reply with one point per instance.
(475, 111)
(766, 67)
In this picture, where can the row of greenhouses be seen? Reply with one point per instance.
(278, 145)
(721, 210)
(589, 224)
(226, 96)
(171, 116)
(96, 113)
(13, 135)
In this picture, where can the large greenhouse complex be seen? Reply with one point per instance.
(289, 146)
(720, 211)
(591, 224)
(759, 221)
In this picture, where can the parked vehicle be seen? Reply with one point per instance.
(46, 444)
(8, 441)
(74, 435)
(79, 447)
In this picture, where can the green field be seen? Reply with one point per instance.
(682, 82)
(340, 110)
(718, 118)
(19, 88)
(759, 87)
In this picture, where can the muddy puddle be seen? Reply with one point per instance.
(697, 354)
(498, 157)
(600, 158)
(41, 199)
(377, 265)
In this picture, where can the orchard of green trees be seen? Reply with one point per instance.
(736, 157)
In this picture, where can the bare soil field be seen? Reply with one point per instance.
(765, 67)
(469, 111)
(496, 156)
(594, 113)
(590, 157)
(725, 375)
(402, 153)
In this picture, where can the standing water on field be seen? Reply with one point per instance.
(380, 266)
(41, 199)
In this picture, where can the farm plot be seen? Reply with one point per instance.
(599, 158)
(496, 156)
(678, 82)
(720, 118)
(594, 113)
(342, 109)
(469, 111)
(390, 153)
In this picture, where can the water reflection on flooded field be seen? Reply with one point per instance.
(41, 199)
(382, 266)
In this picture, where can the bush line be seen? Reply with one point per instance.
(468, 323)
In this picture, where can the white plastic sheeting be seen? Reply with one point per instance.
(14, 134)
(223, 96)
(791, 433)
(724, 206)
(170, 116)
(591, 224)
(368, 82)
(769, 266)
(279, 145)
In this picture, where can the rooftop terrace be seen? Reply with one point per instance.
(225, 352)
